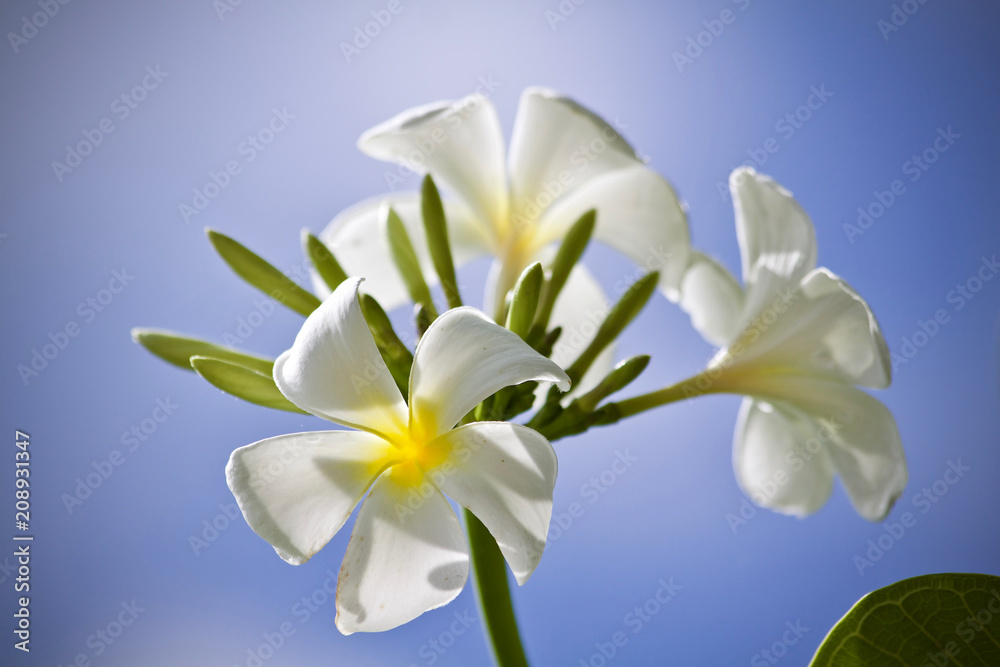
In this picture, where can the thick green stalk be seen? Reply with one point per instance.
(493, 591)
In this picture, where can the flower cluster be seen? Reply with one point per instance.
(795, 340)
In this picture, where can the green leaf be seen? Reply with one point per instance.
(407, 262)
(252, 268)
(621, 315)
(436, 228)
(934, 619)
(569, 253)
(323, 261)
(524, 300)
(178, 350)
(243, 382)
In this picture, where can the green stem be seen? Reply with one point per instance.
(490, 573)
(696, 385)
(488, 565)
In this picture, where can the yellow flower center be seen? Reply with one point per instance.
(418, 451)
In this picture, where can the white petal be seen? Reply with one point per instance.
(862, 439)
(556, 142)
(334, 371)
(463, 358)
(459, 143)
(777, 239)
(713, 299)
(407, 555)
(358, 240)
(638, 214)
(778, 459)
(580, 310)
(823, 328)
(296, 491)
(504, 474)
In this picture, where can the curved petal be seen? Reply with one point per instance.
(867, 451)
(713, 299)
(777, 239)
(463, 358)
(822, 328)
(778, 459)
(580, 310)
(638, 214)
(862, 440)
(557, 145)
(459, 143)
(407, 555)
(357, 238)
(296, 491)
(504, 474)
(334, 371)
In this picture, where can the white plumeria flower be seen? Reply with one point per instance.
(795, 340)
(563, 161)
(407, 553)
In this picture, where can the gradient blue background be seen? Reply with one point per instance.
(663, 518)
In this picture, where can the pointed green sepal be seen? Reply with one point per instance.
(323, 261)
(569, 253)
(405, 258)
(178, 350)
(398, 359)
(579, 415)
(621, 315)
(252, 268)
(422, 317)
(548, 342)
(243, 382)
(524, 300)
(436, 227)
(620, 377)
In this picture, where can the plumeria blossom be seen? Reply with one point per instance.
(563, 161)
(795, 341)
(407, 553)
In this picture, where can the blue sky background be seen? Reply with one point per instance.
(665, 517)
